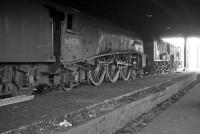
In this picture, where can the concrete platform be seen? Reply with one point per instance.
(34, 115)
(181, 118)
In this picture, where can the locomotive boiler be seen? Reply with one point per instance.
(44, 45)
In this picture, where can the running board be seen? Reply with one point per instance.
(16, 99)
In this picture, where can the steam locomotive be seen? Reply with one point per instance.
(163, 57)
(46, 45)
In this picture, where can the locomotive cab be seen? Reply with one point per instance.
(66, 34)
(71, 45)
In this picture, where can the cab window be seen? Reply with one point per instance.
(73, 23)
(70, 21)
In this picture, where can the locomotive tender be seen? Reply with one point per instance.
(42, 45)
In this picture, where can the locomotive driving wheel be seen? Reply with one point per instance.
(97, 74)
(125, 72)
(113, 72)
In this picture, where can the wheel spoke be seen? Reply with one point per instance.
(113, 72)
(125, 72)
(133, 73)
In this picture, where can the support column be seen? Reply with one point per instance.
(198, 56)
(185, 53)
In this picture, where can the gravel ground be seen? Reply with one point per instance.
(135, 126)
(56, 104)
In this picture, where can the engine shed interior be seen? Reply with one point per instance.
(78, 60)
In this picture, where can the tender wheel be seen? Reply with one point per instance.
(125, 72)
(133, 74)
(97, 74)
(113, 72)
(66, 87)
